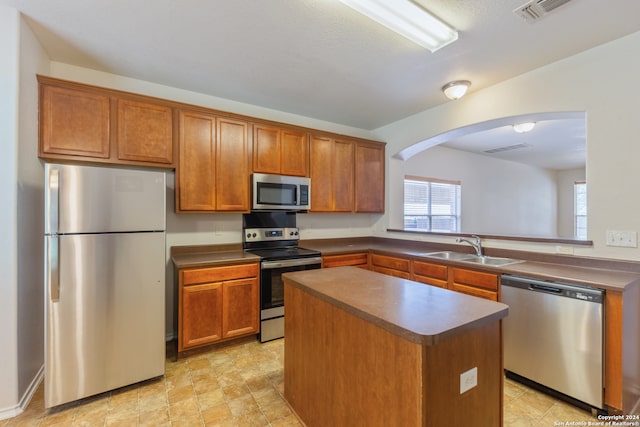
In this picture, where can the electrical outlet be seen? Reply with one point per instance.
(468, 380)
(627, 239)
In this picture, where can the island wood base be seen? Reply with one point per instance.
(342, 370)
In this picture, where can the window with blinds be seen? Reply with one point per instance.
(431, 204)
(580, 209)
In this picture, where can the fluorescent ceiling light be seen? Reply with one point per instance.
(523, 127)
(408, 20)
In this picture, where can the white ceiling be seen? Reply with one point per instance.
(553, 143)
(316, 58)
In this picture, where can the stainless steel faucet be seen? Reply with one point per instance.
(477, 245)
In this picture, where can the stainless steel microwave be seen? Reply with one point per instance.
(279, 192)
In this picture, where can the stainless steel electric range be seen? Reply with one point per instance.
(273, 236)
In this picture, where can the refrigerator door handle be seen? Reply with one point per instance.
(53, 267)
(53, 195)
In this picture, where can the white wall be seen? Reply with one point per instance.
(584, 82)
(21, 219)
(9, 42)
(33, 60)
(524, 204)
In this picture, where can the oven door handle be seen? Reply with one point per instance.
(268, 265)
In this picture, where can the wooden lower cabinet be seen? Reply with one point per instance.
(431, 274)
(217, 303)
(476, 283)
(391, 266)
(357, 260)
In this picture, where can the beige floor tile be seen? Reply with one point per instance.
(240, 384)
(156, 417)
(218, 414)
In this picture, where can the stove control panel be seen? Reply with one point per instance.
(270, 234)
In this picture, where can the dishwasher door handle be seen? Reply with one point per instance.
(545, 288)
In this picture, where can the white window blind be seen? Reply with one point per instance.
(431, 204)
(580, 209)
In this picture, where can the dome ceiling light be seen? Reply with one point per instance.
(523, 127)
(456, 89)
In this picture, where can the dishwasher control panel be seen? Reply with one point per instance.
(560, 289)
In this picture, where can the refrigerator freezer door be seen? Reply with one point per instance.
(90, 199)
(106, 329)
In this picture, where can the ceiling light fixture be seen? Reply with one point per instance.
(456, 89)
(523, 127)
(408, 20)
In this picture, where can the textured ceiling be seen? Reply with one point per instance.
(316, 58)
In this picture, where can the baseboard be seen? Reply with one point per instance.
(26, 397)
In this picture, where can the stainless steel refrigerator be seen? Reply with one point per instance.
(104, 279)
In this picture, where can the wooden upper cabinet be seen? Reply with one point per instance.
(196, 184)
(369, 178)
(280, 151)
(295, 153)
(232, 165)
(343, 176)
(74, 122)
(213, 173)
(331, 170)
(145, 132)
(81, 122)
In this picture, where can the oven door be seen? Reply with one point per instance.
(271, 284)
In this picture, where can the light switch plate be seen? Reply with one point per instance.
(626, 239)
(468, 380)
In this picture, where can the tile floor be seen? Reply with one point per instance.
(240, 384)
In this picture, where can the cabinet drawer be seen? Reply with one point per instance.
(436, 271)
(390, 262)
(430, 281)
(477, 279)
(476, 292)
(392, 272)
(218, 274)
(347, 259)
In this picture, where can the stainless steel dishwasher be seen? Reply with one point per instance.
(554, 336)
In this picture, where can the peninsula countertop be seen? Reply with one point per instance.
(419, 313)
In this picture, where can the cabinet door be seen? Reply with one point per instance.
(145, 132)
(201, 315)
(74, 122)
(358, 260)
(196, 184)
(266, 149)
(369, 178)
(321, 168)
(240, 307)
(431, 274)
(294, 153)
(343, 176)
(232, 165)
(477, 283)
(331, 175)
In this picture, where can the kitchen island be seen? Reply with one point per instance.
(363, 348)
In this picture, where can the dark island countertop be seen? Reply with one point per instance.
(422, 314)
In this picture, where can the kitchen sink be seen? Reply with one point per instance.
(462, 257)
(489, 260)
(453, 256)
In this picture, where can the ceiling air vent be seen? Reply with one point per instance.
(508, 148)
(534, 10)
